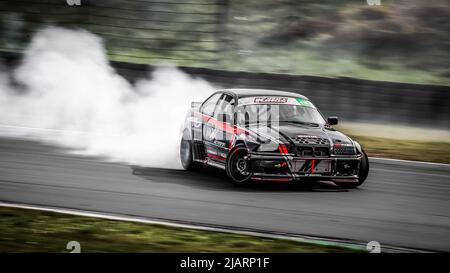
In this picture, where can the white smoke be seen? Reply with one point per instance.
(67, 88)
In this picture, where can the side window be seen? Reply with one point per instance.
(247, 114)
(210, 104)
(224, 107)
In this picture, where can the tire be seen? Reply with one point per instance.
(186, 155)
(362, 176)
(237, 167)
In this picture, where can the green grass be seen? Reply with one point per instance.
(323, 38)
(430, 151)
(306, 61)
(23, 230)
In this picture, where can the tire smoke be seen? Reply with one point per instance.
(65, 92)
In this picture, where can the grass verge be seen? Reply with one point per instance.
(429, 151)
(25, 230)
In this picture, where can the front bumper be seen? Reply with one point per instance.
(276, 167)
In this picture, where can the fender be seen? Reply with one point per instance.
(357, 146)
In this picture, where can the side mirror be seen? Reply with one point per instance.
(224, 117)
(332, 120)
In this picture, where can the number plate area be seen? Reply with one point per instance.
(312, 166)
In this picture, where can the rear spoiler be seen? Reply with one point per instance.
(195, 104)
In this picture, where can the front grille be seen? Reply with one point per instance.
(310, 140)
(344, 150)
(312, 151)
(321, 151)
(304, 151)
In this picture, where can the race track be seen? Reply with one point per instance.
(401, 204)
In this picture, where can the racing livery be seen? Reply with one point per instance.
(259, 135)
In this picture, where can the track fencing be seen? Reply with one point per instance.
(143, 31)
(350, 99)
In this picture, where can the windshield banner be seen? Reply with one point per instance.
(275, 100)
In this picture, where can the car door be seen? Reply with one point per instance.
(208, 125)
(224, 133)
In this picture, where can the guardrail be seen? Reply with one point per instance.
(350, 99)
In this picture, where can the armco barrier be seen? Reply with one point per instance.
(350, 99)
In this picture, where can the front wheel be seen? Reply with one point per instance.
(362, 175)
(238, 166)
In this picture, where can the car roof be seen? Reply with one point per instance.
(249, 92)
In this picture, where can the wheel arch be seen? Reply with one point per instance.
(239, 142)
(358, 146)
(187, 132)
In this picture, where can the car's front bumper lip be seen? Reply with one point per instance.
(293, 176)
(273, 156)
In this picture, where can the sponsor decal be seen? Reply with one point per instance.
(276, 100)
(270, 100)
(306, 136)
(219, 143)
(343, 145)
(304, 102)
(312, 166)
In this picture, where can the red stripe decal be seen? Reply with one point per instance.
(281, 179)
(225, 126)
(312, 165)
(215, 156)
(283, 149)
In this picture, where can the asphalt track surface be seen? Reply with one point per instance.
(401, 204)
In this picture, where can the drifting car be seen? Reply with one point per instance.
(269, 135)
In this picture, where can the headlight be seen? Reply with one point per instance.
(269, 146)
(344, 149)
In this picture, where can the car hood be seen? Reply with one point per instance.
(287, 133)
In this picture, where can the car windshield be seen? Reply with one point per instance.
(281, 113)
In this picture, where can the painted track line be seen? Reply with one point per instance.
(407, 162)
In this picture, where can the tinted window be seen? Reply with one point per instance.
(210, 104)
(225, 106)
(257, 113)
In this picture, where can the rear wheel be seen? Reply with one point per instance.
(186, 155)
(238, 166)
(362, 175)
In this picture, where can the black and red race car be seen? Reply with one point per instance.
(259, 135)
